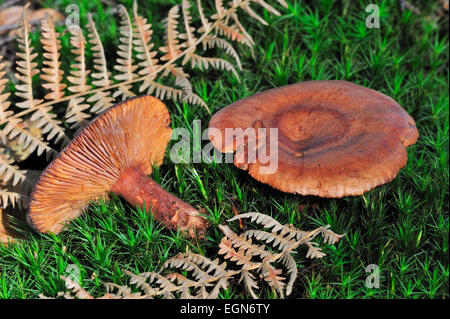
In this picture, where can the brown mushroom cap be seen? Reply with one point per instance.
(133, 133)
(335, 138)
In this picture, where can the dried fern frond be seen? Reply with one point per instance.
(246, 7)
(283, 236)
(10, 171)
(250, 283)
(289, 264)
(4, 103)
(273, 277)
(191, 42)
(188, 36)
(13, 180)
(26, 69)
(9, 198)
(113, 291)
(248, 39)
(76, 289)
(15, 129)
(216, 63)
(193, 276)
(13, 199)
(213, 42)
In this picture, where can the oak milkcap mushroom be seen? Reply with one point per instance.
(334, 138)
(114, 153)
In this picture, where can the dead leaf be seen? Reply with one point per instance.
(10, 15)
(7, 233)
(39, 14)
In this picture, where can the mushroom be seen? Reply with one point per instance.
(334, 138)
(113, 153)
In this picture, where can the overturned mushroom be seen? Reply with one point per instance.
(114, 153)
(6, 235)
(334, 138)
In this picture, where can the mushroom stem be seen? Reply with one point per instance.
(140, 190)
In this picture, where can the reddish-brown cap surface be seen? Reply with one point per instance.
(133, 133)
(334, 138)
